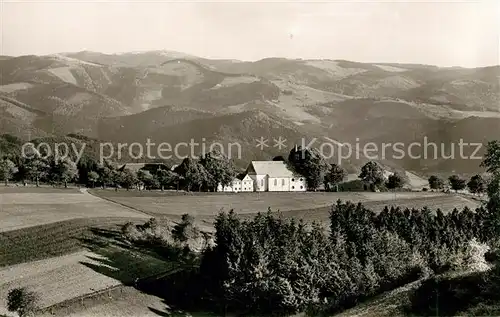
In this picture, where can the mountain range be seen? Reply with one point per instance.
(173, 97)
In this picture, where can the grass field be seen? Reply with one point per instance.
(444, 202)
(200, 205)
(37, 190)
(120, 302)
(102, 264)
(46, 235)
(51, 240)
(61, 241)
(308, 206)
(37, 206)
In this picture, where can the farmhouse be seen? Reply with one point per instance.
(274, 176)
(241, 183)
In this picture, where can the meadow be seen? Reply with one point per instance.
(61, 242)
(310, 206)
(26, 207)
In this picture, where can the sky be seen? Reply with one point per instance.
(452, 33)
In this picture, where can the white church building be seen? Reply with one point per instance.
(267, 176)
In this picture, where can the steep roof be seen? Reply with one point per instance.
(270, 168)
(241, 176)
(135, 167)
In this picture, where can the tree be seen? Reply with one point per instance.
(435, 182)
(310, 164)
(334, 176)
(372, 174)
(166, 178)
(457, 183)
(395, 181)
(22, 301)
(86, 165)
(185, 230)
(192, 173)
(491, 158)
(65, 171)
(477, 184)
(492, 163)
(107, 174)
(92, 177)
(128, 178)
(145, 177)
(219, 168)
(36, 169)
(7, 170)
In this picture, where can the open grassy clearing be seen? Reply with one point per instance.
(309, 206)
(51, 240)
(62, 278)
(37, 190)
(21, 210)
(63, 266)
(124, 301)
(386, 305)
(200, 205)
(444, 202)
(55, 279)
(120, 302)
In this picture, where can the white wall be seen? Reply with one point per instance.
(261, 184)
(298, 184)
(247, 185)
(234, 187)
(279, 184)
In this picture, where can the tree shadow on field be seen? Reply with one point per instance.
(162, 271)
(115, 257)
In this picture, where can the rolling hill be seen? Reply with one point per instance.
(172, 96)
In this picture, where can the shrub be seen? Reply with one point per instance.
(185, 230)
(352, 186)
(130, 232)
(148, 233)
(474, 257)
(22, 301)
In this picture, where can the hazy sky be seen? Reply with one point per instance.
(449, 33)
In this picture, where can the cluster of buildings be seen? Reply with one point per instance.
(259, 176)
(266, 176)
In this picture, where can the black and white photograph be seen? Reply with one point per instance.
(249, 158)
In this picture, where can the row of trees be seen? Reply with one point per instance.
(310, 164)
(209, 171)
(63, 171)
(204, 173)
(476, 184)
(192, 174)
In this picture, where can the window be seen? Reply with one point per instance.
(275, 182)
(283, 182)
(301, 179)
(262, 182)
(301, 187)
(293, 179)
(293, 187)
